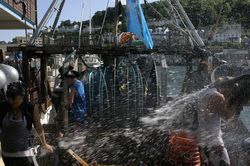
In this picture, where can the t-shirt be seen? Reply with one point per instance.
(210, 133)
(16, 135)
(79, 104)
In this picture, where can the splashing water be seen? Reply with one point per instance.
(129, 142)
(178, 114)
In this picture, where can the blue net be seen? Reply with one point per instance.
(137, 24)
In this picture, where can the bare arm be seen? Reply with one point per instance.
(218, 104)
(72, 96)
(39, 129)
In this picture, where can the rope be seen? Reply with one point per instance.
(176, 26)
(104, 19)
(146, 2)
(163, 17)
(177, 12)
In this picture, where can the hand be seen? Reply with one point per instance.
(48, 148)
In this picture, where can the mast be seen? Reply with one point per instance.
(190, 25)
(58, 16)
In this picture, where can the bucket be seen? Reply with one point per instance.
(183, 149)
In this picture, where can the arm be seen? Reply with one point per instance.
(72, 96)
(218, 104)
(39, 129)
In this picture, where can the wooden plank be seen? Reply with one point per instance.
(78, 158)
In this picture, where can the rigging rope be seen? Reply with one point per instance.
(104, 19)
(177, 12)
(163, 17)
(176, 26)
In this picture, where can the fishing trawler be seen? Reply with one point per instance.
(124, 79)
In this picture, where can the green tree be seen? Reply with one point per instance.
(65, 23)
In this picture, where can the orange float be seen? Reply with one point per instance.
(183, 150)
(125, 37)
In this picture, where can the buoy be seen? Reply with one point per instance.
(3, 79)
(183, 150)
(11, 73)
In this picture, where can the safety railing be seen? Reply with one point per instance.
(161, 41)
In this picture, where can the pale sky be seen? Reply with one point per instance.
(72, 11)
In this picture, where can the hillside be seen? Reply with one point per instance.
(201, 12)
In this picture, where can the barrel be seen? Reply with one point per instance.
(183, 149)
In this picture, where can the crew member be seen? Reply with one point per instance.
(198, 79)
(77, 100)
(16, 119)
(223, 99)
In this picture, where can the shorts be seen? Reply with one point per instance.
(77, 116)
(215, 156)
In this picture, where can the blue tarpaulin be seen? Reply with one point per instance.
(137, 24)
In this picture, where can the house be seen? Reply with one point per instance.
(228, 33)
(157, 23)
(20, 40)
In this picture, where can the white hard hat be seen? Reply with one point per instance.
(10, 72)
(3, 79)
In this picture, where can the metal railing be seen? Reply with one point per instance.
(170, 40)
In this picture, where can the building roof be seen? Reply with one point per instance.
(11, 15)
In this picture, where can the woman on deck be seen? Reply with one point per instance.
(16, 119)
(224, 99)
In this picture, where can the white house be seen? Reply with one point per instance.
(228, 33)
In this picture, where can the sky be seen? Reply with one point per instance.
(72, 10)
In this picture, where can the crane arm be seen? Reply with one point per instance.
(45, 19)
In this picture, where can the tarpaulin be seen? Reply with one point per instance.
(137, 24)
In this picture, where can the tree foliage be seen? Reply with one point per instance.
(211, 12)
(201, 12)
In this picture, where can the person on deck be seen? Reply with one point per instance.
(223, 99)
(16, 119)
(198, 79)
(77, 100)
